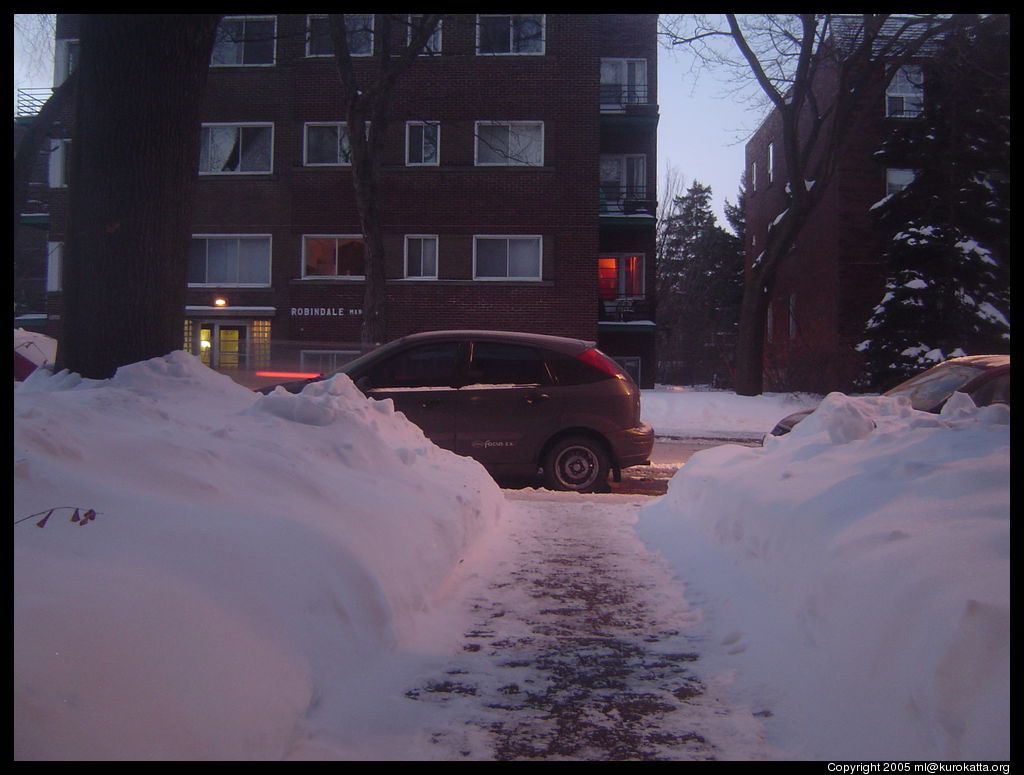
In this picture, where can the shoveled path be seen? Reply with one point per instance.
(581, 647)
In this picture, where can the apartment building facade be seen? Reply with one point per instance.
(827, 286)
(517, 181)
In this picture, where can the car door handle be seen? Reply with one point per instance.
(429, 403)
(536, 398)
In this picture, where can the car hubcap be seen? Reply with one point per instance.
(577, 466)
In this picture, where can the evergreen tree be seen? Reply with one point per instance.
(699, 291)
(948, 289)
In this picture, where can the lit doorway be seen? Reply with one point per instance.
(223, 345)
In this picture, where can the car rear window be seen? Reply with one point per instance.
(495, 363)
(572, 371)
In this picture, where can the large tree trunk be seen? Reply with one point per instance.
(133, 167)
(750, 339)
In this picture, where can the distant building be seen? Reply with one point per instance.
(833, 278)
(519, 180)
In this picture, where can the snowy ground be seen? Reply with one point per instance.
(296, 576)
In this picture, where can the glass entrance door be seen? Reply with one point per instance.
(223, 345)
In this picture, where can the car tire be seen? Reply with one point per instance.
(577, 464)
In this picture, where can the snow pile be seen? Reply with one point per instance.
(248, 556)
(855, 576)
(691, 412)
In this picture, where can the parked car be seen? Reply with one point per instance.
(985, 378)
(520, 404)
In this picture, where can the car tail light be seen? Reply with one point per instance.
(602, 362)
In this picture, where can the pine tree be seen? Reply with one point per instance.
(699, 290)
(948, 290)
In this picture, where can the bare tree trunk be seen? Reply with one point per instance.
(133, 167)
(368, 107)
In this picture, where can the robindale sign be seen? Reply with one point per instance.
(324, 312)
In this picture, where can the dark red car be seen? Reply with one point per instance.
(520, 404)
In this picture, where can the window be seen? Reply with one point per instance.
(771, 162)
(65, 59)
(904, 97)
(236, 149)
(623, 183)
(510, 143)
(422, 143)
(753, 176)
(620, 277)
(896, 180)
(497, 363)
(327, 144)
(325, 361)
(432, 365)
(342, 255)
(507, 258)
(623, 82)
(510, 33)
(359, 27)
(245, 41)
(58, 163)
(54, 265)
(433, 42)
(229, 260)
(421, 256)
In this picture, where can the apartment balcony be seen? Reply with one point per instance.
(627, 202)
(30, 101)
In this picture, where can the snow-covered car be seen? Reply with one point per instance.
(518, 403)
(985, 378)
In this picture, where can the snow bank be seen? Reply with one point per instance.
(689, 412)
(856, 575)
(249, 554)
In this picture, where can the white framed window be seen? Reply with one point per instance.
(245, 41)
(771, 163)
(623, 182)
(325, 361)
(623, 82)
(510, 33)
(421, 256)
(326, 144)
(359, 27)
(229, 260)
(753, 176)
(509, 143)
(507, 257)
(236, 149)
(897, 179)
(422, 143)
(54, 266)
(904, 96)
(65, 59)
(433, 42)
(334, 255)
(58, 163)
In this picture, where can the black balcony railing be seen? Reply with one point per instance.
(626, 200)
(31, 101)
(619, 96)
(626, 309)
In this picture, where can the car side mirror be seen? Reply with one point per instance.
(364, 384)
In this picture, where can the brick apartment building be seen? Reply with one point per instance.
(829, 284)
(518, 180)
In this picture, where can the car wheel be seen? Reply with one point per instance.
(576, 463)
